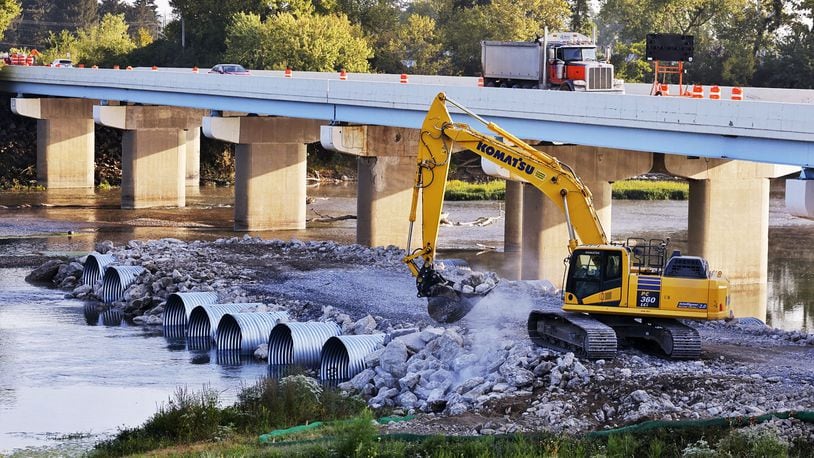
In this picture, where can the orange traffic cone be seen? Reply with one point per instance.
(480, 81)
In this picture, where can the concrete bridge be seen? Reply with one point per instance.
(727, 150)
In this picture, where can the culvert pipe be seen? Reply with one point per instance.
(299, 344)
(179, 306)
(117, 279)
(344, 356)
(204, 319)
(94, 268)
(246, 331)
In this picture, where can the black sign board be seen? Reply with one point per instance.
(669, 47)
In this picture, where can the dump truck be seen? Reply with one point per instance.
(563, 61)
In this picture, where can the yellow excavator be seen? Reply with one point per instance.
(611, 291)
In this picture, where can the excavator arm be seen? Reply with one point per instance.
(440, 137)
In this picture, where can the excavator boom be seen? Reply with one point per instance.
(439, 139)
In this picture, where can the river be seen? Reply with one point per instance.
(68, 379)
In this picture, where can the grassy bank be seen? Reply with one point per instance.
(651, 190)
(628, 189)
(193, 424)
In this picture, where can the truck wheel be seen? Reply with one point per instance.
(566, 87)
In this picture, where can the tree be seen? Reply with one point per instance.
(143, 16)
(580, 16)
(9, 9)
(106, 43)
(309, 42)
(205, 22)
(506, 20)
(418, 42)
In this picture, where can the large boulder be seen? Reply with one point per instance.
(44, 273)
(394, 358)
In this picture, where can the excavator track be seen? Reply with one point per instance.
(684, 342)
(676, 340)
(575, 332)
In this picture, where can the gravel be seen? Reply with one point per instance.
(481, 375)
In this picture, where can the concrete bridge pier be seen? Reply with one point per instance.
(65, 140)
(154, 151)
(193, 159)
(270, 168)
(728, 223)
(800, 194)
(545, 236)
(387, 168)
(728, 219)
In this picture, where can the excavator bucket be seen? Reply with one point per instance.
(445, 305)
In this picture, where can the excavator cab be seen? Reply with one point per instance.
(592, 276)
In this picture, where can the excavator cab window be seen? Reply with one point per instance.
(593, 271)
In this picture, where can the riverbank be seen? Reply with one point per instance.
(481, 376)
(633, 189)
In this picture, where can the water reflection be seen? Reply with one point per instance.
(96, 315)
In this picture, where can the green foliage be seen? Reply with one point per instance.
(764, 445)
(301, 41)
(650, 190)
(629, 62)
(461, 190)
(622, 446)
(9, 9)
(418, 42)
(269, 404)
(106, 43)
(507, 20)
(357, 437)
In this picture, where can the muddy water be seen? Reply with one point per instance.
(63, 373)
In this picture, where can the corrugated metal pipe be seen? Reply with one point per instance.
(246, 331)
(204, 319)
(180, 305)
(95, 266)
(299, 344)
(344, 356)
(116, 280)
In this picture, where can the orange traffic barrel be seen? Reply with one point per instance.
(715, 92)
(81, 65)
(154, 68)
(403, 78)
(663, 89)
(287, 72)
(343, 75)
(115, 67)
(129, 67)
(95, 67)
(737, 94)
(480, 81)
(194, 69)
(697, 91)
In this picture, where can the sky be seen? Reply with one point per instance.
(164, 8)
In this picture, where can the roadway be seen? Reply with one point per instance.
(772, 125)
